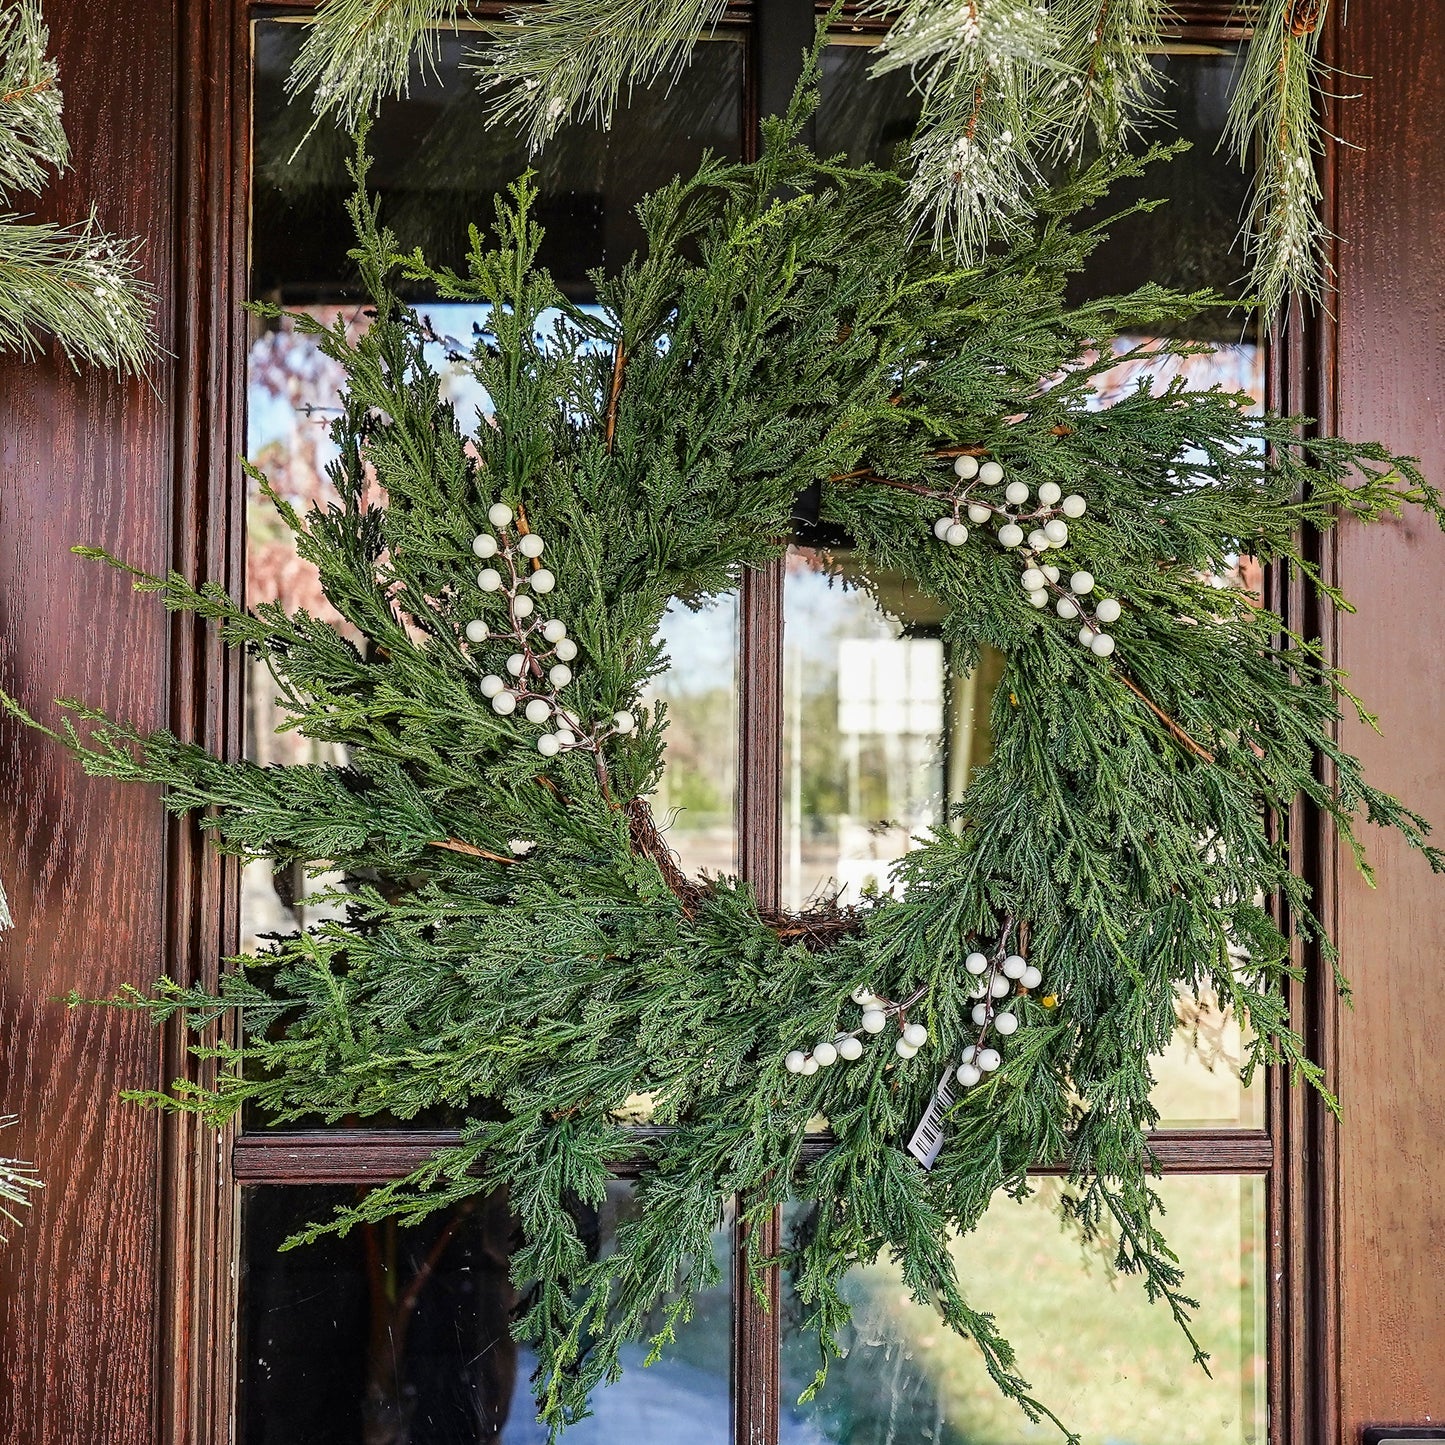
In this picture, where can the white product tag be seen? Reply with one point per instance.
(927, 1138)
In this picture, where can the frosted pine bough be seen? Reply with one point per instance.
(516, 940)
(1006, 88)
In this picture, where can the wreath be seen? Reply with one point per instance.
(516, 939)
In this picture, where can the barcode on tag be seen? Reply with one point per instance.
(927, 1138)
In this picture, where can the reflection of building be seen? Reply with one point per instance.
(890, 706)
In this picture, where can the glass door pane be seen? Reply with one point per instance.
(1113, 1367)
(401, 1336)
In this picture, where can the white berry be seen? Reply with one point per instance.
(863, 996)
(1006, 1024)
(542, 580)
(975, 963)
(489, 579)
(825, 1054)
(956, 535)
(505, 702)
(978, 514)
(532, 545)
(989, 473)
(554, 631)
(1010, 535)
(967, 1075)
(1087, 636)
(1017, 493)
(1066, 609)
(850, 1048)
(980, 1014)
(1032, 579)
(1013, 966)
(623, 721)
(1031, 977)
(989, 1060)
(1039, 598)
(515, 663)
(1082, 583)
(499, 514)
(1057, 532)
(1102, 645)
(1051, 572)
(492, 685)
(538, 710)
(810, 1066)
(548, 745)
(523, 606)
(1108, 610)
(904, 1050)
(966, 1057)
(476, 631)
(916, 1035)
(874, 1021)
(999, 987)
(485, 545)
(1074, 505)
(940, 528)
(965, 468)
(1049, 493)
(566, 650)
(560, 675)
(794, 1061)
(1039, 539)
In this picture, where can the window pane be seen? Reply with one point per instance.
(397, 1336)
(437, 163)
(854, 794)
(695, 801)
(1112, 1366)
(437, 166)
(880, 731)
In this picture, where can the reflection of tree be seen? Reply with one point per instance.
(478, 1235)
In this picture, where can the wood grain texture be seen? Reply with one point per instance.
(372, 1156)
(83, 458)
(1391, 385)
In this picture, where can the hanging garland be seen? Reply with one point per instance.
(1005, 89)
(515, 938)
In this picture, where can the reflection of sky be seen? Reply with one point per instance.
(662, 1404)
(701, 647)
(271, 416)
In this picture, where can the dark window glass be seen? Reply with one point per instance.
(401, 1336)
(437, 165)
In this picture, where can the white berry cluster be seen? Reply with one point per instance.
(998, 976)
(849, 1046)
(540, 667)
(1046, 518)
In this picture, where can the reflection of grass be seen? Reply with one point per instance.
(1115, 1368)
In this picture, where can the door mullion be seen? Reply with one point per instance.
(755, 1318)
(782, 31)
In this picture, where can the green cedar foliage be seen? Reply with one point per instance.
(779, 329)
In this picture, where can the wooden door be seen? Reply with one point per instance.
(117, 1315)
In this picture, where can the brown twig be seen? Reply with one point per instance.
(1174, 728)
(455, 845)
(619, 360)
(523, 528)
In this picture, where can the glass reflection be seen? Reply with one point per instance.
(1114, 1367)
(398, 1336)
(436, 167)
(694, 801)
(437, 163)
(880, 731)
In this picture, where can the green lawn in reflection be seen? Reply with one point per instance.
(1115, 1368)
